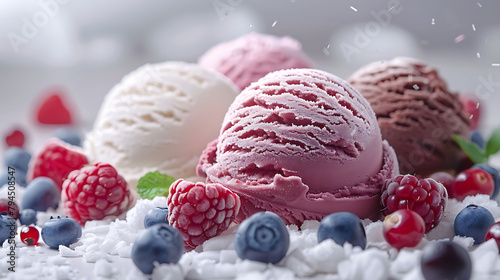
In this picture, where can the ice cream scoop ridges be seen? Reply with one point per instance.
(302, 143)
(159, 118)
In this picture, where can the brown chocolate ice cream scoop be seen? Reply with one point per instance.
(416, 113)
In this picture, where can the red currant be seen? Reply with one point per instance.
(10, 207)
(494, 232)
(403, 228)
(30, 235)
(471, 182)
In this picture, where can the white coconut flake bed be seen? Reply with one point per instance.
(104, 252)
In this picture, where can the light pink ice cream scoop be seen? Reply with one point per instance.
(302, 143)
(250, 57)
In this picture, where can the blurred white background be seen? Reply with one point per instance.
(85, 47)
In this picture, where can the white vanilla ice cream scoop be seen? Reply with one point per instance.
(160, 117)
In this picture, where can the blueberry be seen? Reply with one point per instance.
(41, 193)
(155, 216)
(476, 137)
(69, 135)
(8, 227)
(19, 178)
(159, 243)
(61, 231)
(445, 260)
(342, 227)
(27, 217)
(473, 221)
(4, 178)
(262, 237)
(494, 173)
(17, 158)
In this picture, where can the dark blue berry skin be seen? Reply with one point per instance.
(262, 237)
(155, 216)
(41, 193)
(445, 260)
(494, 173)
(17, 158)
(159, 243)
(61, 231)
(27, 217)
(473, 221)
(69, 135)
(19, 178)
(7, 226)
(342, 227)
(476, 137)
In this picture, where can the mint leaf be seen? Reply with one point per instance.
(473, 151)
(154, 184)
(493, 144)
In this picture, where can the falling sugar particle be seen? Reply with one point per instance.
(274, 23)
(416, 87)
(473, 27)
(326, 52)
(479, 4)
(460, 38)
(495, 64)
(433, 22)
(470, 117)
(478, 55)
(354, 9)
(328, 46)
(477, 105)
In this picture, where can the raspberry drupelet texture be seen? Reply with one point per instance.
(94, 193)
(201, 211)
(56, 159)
(427, 197)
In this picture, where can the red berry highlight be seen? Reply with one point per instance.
(53, 110)
(56, 159)
(472, 106)
(95, 192)
(403, 228)
(426, 197)
(493, 232)
(472, 181)
(29, 235)
(200, 211)
(15, 139)
(10, 207)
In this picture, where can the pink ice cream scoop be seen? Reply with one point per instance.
(250, 57)
(302, 143)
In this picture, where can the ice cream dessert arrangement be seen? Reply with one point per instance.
(253, 164)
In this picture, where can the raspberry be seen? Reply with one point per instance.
(201, 211)
(427, 197)
(15, 139)
(53, 110)
(95, 192)
(56, 160)
(472, 107)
